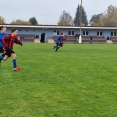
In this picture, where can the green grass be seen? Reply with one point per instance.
(77, 81)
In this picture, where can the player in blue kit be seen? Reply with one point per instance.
(58, 42)
(2, 34)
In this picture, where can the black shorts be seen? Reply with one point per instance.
(1, 49)
(59, 44)
(9, 52)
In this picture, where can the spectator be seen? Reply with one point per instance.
(91, 39)
(77, 38)
(22, 38)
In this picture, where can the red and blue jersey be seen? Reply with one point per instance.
(9, 40)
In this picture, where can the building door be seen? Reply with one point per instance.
(42, 37)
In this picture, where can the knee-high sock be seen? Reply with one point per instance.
(14, 63)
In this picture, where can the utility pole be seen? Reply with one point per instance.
(80, 38)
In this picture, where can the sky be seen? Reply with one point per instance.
(49, 11)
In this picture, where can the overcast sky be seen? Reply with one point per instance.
(48, 11)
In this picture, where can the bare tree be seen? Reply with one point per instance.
(96, 20)
(110, 16)
(65, 19)
(20, 22)
(2, 21)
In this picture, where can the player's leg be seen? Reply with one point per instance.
(4, 58)
(61, 44)
(54, 47)
(15, 68)
(5, 55)
(13, 55)
(58, 46)
(0, 62)
(1, 51)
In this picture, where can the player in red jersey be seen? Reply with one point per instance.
(8, 42)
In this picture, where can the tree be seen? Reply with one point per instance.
(33, 21)
(2, 21)
(77, 17)
(84, 21)
(96, 20)
(110, 16)
(20, 22)
(65, 19)
(84, 18)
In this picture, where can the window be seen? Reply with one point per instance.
(70, 32)
(19, 30)
(99, 33)
(58, 33)
(54, 32)
(113, 34)
(26, 30)
(85, 33)
(33, 30)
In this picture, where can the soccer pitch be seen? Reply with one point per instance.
(77, 81)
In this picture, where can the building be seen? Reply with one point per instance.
(44, 32)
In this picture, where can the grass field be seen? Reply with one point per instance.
(77, 81)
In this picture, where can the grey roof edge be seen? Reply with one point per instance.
(55, 27)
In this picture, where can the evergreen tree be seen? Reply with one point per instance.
(84, 20)
(77, 17)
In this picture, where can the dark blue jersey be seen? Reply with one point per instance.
(1, 36)
(59, 38)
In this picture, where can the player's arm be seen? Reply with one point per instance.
(18, 41)
(4, 40)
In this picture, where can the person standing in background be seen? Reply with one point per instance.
(77, 38)
(91, 39)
